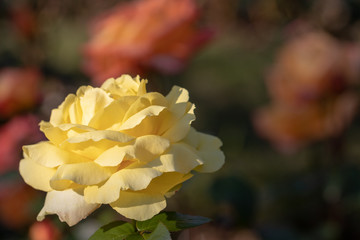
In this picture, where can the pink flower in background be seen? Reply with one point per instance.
(143, 35)
(19, 90)
(15, 133)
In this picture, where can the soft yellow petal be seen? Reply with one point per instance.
(213, 161)
(60, 115)
(36, 175)
(113, 156)
(139, 206)
(88, 173)
(100, 135)
(137, 118)
(49, 155)
(208, 148)
(75, 111)
(134, 179)
(93, 100)
(68, 205)
(112, 114)
(147, 148)
(181, 127)
(179, 158)
(177, 95)
(167, 182)
(123, 86)
(147, 100)
(58, 134)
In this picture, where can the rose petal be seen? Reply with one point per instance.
(139, 206)
(181, 128)
(112, 114)
(61, 114)
(68, 205)
(137, 118)
(179, 158)
(134, 179)
(88, 173)
(148, 147)
(177, 95)
(48, 155)
(36, 175)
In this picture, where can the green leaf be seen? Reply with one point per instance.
(160, 233)
(118, 230)
(172, 220)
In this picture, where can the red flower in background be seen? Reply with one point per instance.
(19, 90)
(15, 133)
(142, 35)
(311, 88)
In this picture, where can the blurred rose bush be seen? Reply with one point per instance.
(310, 86)
(117, 145)
(137, 36)
(16, 209)
(19, 90)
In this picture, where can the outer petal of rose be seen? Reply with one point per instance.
(137, 118)
(167, 182)
(177, 95)
(208, 148)
(36, 175)
(48, 155)
(179, 158)
(68, 205)
(134, 179)
(94, 99)
(209, 151)
(180, 128)
(60, 115)
(88, 173)
(139, 206)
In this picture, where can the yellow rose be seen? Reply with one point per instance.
(117, 145)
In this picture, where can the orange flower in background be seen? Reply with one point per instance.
(289, 128)
(44, 230)
(311, 88)
(17, 132)
(19, 90)
(142, 35)
(308, 68)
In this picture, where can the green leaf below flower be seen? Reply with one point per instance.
(173, 221)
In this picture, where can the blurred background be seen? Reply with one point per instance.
(276, 80)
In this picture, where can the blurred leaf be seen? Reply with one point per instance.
(160, 233)
(172, 220)
(118, 230)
